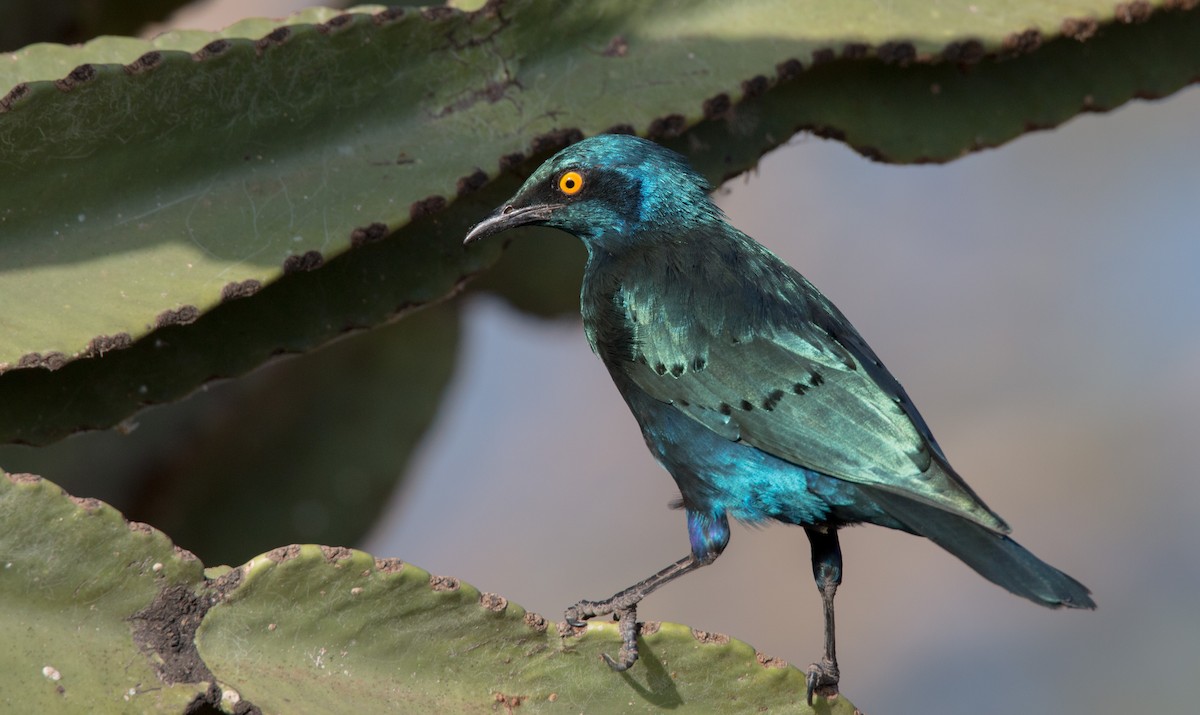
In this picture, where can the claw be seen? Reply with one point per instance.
(822, 678)
(618, 667)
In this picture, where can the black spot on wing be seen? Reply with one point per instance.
(725, 409)
(772, 399)
(698, 363)
(677, 369)
(747, 406)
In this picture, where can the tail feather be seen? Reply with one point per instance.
(994, 556)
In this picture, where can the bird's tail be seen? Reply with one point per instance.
(996, 557)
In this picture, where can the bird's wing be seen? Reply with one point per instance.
(807, 395)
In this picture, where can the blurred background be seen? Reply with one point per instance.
(1040, 306)
(1039, 303)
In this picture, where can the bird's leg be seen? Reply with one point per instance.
(827, 570)
(709, 535)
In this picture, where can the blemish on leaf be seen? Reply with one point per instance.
(426, 207)
(824, 55)
(24, 478)
(88, 504)
(227, 583)
(510, 702)
(81, 74)
(897, 53)
(165, 631)
(769, 661)
(667, 127)
(14, 95)
(565, 629)
(709, 637)
(50, 361)
(216, 48)
(554, 140)
(335, 23)
(307, 261)
(364, 235)
(333, 554)
(493, 602)
(1080, 29)
(508, 162)
(855, 50)
(284, 553)
(275, 37)
(388, 15)
(148, 61)
(536, 621)
(1133, 12)
(717, 106)
(789, 69)
(242, 289)
(965, 52)
(443, 583)
(437, 12)
(471, 183)
(649, 628)
(756, 86)
(139, 527)
(1020, 43)
(102, 344)
(389, 565)
(180, 316)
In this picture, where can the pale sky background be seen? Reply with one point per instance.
(1039, 302)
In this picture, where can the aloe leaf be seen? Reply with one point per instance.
(390, 637)
(103, 616)
(307, 448)
(166, 181)
(81, 590)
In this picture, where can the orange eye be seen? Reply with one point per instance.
(570, 183)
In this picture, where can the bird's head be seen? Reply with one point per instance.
(607, 190)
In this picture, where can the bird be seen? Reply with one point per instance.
(751, 388)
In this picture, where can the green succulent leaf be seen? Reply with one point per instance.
(307, 448)
(74, 577)
(426, 643)
(153, 188)
(106, 616)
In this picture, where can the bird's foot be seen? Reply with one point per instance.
(626, 616)
(627, 626)
(822, 679)
(576, 615)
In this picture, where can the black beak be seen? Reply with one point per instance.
(507, 217)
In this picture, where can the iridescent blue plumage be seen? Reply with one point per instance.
(751, 388)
